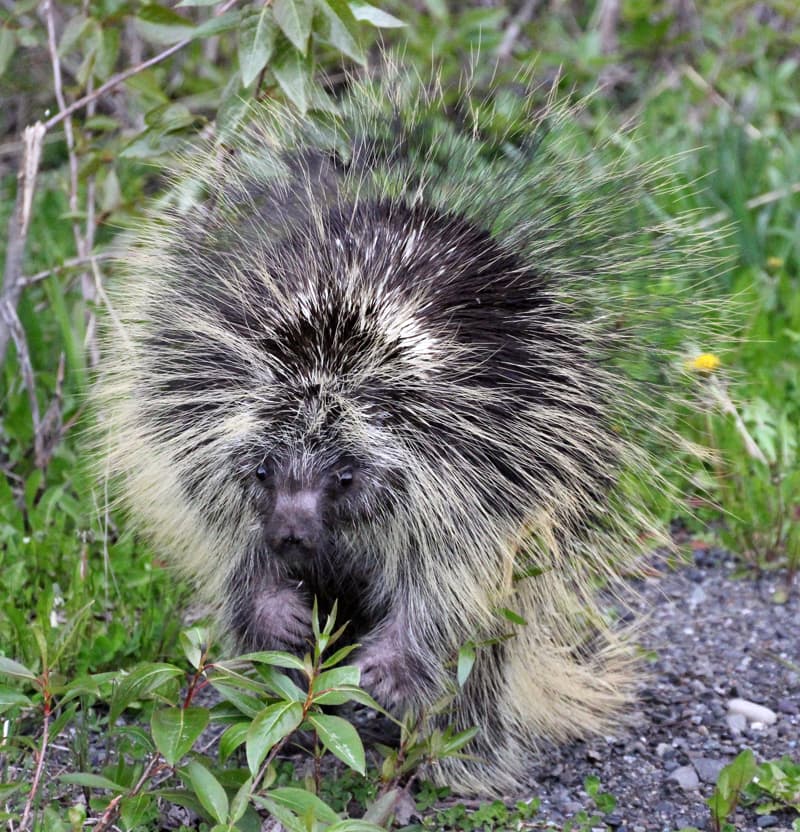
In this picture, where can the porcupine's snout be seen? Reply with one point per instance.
(294, 528)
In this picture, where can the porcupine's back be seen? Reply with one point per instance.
(444, 309)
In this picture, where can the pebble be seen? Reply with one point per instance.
(752, 712)
(765, 821)
(737, 723)
(707, 768)
(704, 654)
(685, 777)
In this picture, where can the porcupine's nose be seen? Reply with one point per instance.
(295, 525)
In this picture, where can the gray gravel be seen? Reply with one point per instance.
(712, 637)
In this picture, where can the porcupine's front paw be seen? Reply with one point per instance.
(394, 674)
(281, 620)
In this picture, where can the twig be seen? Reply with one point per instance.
(128, 73)
(112, 810)
(84, 238)
(18, 225)
(607, 25)
(72, 263)
(37, 776)
(751, 204)
(522, 17)
(697, 79)
(727, 406)
(26, 368)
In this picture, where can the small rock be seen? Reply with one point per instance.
(707, 768)
(614, 821)
(765, 821)
(736, 723)
(788, 706)
(685, 777)
(664, 749)
(404, 808)
(752, 712)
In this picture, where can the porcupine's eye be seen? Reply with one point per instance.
(344, 476)
(262, 472)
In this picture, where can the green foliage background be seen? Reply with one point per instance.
(714, 86)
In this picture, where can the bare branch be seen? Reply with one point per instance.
(72, 263)
(26, 368)
(18, 225)
(128, 73)
(513, 29)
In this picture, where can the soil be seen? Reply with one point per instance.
(710, 637)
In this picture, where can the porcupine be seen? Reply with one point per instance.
(378, 359)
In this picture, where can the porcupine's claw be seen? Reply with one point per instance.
(393, 670)
(281, 620)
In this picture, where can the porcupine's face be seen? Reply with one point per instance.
(299, 510)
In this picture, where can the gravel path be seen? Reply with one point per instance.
(712, 638)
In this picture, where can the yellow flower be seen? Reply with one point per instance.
(706, 362)
(774, 262)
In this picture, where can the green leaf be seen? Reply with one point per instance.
(217, 24)
(292, 75)
(353, 825)
(72, 34)
(273, 724)
(277, 658)
(367, 13)
(139, 683)
(241, 800)
(92, 781)
(741, 770)
(341, 739)
(176, 729)
(454, 743)
(466, 661)
(10, 697)
(8, 667)
(8, 43)
(281, 684)
(248, 705)
(101, 124)
(342, 653)
(513, 617)
(256, 44)
(194, 643)
(336, 686)
(294, 19)
(158, 24)
(134, 809)
(232, 737)
(107, 53)
(304, 803)
(182, 797)
(337, 677)
(337, 26)
(287, 819)
(208, 790)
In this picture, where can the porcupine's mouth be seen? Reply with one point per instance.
(294, 554)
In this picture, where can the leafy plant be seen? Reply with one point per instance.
(728, 791)
(768, 787)
(267, 697)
